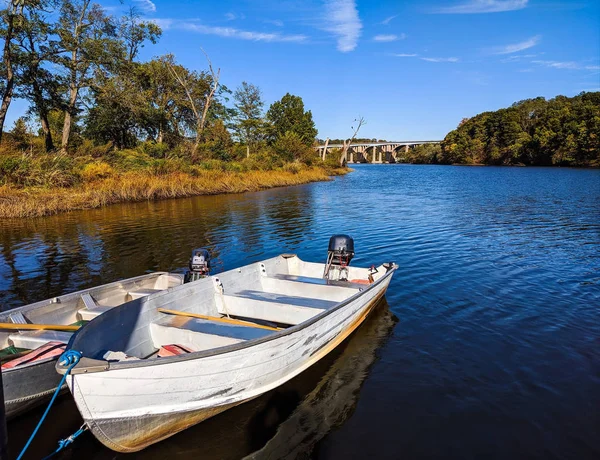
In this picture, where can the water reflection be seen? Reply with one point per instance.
(46, 257)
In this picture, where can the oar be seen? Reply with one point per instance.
(220, 320)
(38, 327)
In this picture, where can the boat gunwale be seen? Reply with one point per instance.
(118, 365)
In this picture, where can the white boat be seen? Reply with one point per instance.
(230, 337)
(33, 336)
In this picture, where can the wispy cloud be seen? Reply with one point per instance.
(404, 55)
(163, 23)
(438, 59)
(230, 16)
(566, 65)
(389, 19)
(388, 37)
(146, 5)
(344, 23)
(483, 6)
(275, 22)
(229, 32)
(516, 47)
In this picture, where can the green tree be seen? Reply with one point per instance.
(249, 124)
(87, 38)
(288, 115)
(38, 84)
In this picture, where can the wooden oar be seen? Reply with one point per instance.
(220, 320)
(38, 327)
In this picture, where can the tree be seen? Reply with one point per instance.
(288, 115)
(10, 17)
(249, 125)
(37, 83)
(87, 39)
(358, 122)
(199, 97)
(133, 33)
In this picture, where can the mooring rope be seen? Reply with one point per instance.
(69, 358)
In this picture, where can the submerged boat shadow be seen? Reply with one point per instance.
(286, 422)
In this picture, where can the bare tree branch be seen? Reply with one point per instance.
(344, 156)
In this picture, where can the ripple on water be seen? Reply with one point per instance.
(496, 349)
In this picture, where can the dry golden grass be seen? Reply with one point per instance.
(141, 186)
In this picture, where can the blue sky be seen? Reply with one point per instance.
(413, 69)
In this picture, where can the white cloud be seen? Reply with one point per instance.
(389, 19)
(146, 5)
(341, 17)
(275, 22)
(163, 23)
(404, 55)
(448, 59)
(559, 64)
(388, 37)
(483, 6)
(231, 32)
(230, 16)
(516, 47)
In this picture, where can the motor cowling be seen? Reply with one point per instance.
(199, 265)
(342, 249)
(339, 254)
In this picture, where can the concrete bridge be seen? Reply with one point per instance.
(373, 152)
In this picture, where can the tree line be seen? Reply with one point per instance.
(560, 131)
(79, 69)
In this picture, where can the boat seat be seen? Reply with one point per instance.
(322, 281)
(300, 301)
(141, 292)
(200, 334)
(271, 307)
(17, 318)
(91, 309)
(35, 339)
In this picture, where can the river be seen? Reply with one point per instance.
(488, 344)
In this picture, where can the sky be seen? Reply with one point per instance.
(413, 69)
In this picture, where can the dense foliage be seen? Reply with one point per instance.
(90, 95)
(560, 131)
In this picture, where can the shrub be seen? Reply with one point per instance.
(165, 167)
(293, 168)
(95, 171)
(90, 149)
(290, 147)
(14, 170)
(154, 149)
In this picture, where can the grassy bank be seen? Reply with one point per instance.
(34, 184)
(139, 186)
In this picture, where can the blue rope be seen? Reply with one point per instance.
(68, 358)
(65, 442)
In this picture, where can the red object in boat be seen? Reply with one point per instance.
(360, 281)
(172, 350)
(49, 350)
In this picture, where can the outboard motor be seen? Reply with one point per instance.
(199, 265)
(339, 255)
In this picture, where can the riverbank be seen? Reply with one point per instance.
(141, 186)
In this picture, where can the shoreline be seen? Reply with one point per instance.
(18, 203)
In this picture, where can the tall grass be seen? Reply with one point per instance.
(109, 188)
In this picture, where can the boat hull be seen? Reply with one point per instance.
(165, 399)
(29, 385)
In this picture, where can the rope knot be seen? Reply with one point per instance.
(69, 358)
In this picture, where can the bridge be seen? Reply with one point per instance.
(373, 152)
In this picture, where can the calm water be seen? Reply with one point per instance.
(488, 345)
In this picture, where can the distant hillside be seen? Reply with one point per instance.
(561, 131)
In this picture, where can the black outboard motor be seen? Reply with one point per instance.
(339, 255)
(199, 265)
